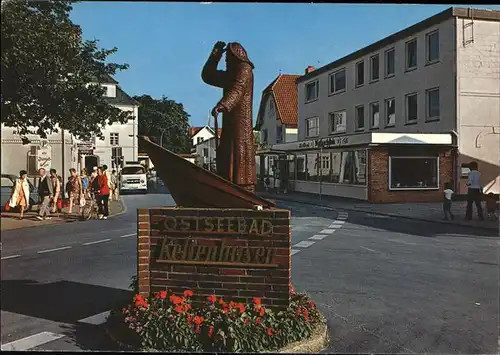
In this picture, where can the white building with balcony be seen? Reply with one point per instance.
(398, 119)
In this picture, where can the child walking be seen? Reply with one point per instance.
(448, 194)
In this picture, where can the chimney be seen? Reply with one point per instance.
(309, 69)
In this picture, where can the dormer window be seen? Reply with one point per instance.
(110, 90)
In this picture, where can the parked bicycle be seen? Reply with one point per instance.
(91, 208)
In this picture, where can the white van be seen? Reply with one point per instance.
(133, 178)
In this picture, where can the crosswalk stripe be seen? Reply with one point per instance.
(31, 342)
(304, 244)
(318, 237)
(327, 231)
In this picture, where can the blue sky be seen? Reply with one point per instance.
(166, 44)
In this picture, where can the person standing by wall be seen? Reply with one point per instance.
(20, 194)
(46, 193)
(102, 194)
(474, 192)
(56, 187)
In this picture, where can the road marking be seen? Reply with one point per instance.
(318, 237)
(369, 249)
(10, 257)
(328, 231)
(31, 341)
(49, 250)
(295, 251)
(304, 244)
(96, 319)
(128, 235)
(401, 242)
(97, 241)
(343, 214)
(341, 218)
(337, 222)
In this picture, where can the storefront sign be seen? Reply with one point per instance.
(328, 142)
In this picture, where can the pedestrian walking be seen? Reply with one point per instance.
(75, 191)
(448, 194)
(46, 193)
(102, 193)
(474, 192)
(56, 187)
(20, 194)
(114, 186)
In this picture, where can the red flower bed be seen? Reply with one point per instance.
(169, 322)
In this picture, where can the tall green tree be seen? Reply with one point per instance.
(165, 122)
(46, 68)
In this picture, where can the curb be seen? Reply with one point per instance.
(316, 343)
(124, 208)
(384, 214)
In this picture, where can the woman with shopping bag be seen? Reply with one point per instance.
(20, 194)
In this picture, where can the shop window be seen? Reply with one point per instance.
(410, 173)
(348, 167)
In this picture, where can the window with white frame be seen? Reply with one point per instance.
(432, 103)
(390, 112)
(432, 46)
(411, 108)
(413, 173)
(113, 139)
(390, 62)
(337, 81)
(411, 54)
(360, 117)
(199, 140)
(312, 91)
(360, 73)
(374, 68)
(312, 127)
(374, 115)
(338, 121)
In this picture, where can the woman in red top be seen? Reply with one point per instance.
(102, 194)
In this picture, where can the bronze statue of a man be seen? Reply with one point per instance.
(235, 155)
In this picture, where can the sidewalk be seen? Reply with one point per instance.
(430, 212)
(10, 220)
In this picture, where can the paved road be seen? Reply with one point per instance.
(385, 284)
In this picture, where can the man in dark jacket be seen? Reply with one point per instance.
(46, 193)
